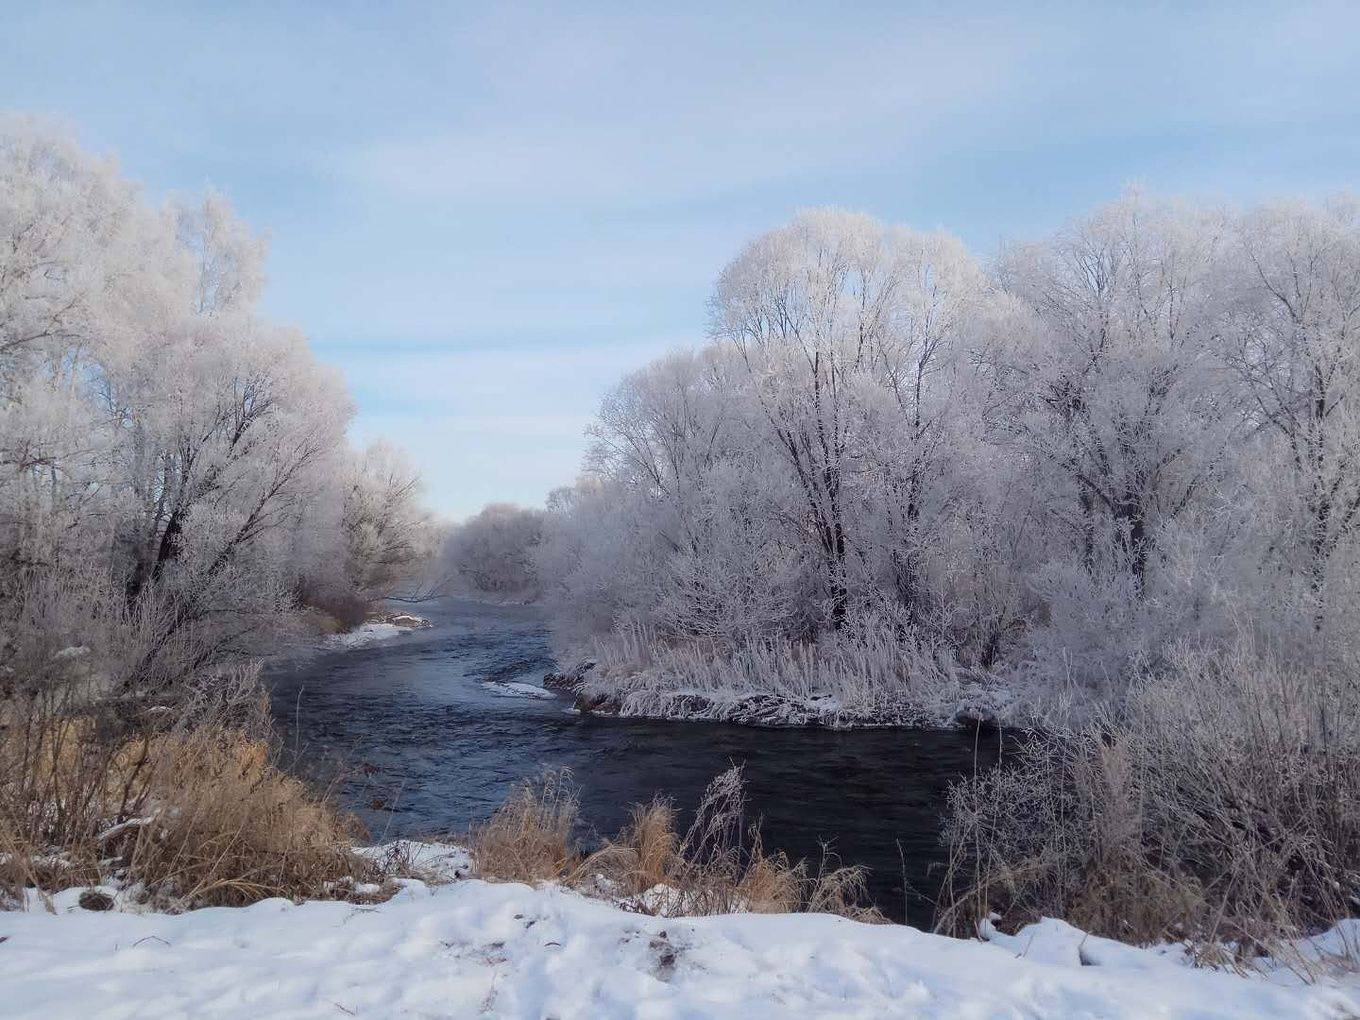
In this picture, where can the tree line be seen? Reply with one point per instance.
(175, 481)
(1062, 463)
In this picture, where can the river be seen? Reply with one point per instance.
(425, 733)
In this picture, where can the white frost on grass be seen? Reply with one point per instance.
(865, 676)
(363, 636)
(477, 949)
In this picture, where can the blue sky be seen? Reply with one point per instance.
(484, 214)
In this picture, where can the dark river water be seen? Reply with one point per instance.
(425, 734)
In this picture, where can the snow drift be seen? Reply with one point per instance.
(472, 948)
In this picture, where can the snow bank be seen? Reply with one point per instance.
(363, 636)
(472, 948)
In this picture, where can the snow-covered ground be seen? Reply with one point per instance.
(472, 948)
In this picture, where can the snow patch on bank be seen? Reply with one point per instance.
(363, 636)
(374, 631)
(432, 862)
(472, 948)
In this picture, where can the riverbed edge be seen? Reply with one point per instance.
(979, 706)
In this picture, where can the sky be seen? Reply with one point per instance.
(487, 214)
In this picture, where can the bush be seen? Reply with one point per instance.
(1219, 805)
(193, 817)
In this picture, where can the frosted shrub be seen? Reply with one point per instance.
(1136, 432)
(1219, 803)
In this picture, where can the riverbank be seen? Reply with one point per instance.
(472, 948)
(702, 692)
(869, 674)
(775, 711)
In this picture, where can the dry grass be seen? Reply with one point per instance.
(842, 891)
(230, 828)
(206, 817)
(716, 866)
(1220, 806)
(529, 837)
(195, 818)
(651, 843)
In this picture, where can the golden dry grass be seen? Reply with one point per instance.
(648, 846)
(529, 837)
(717, 866)
(200, 818)
(237, 829)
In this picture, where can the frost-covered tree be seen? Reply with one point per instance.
(492, 552)
(1137, 432)
(1116, 398)
(389, 536)
(168, 456)
(1117, 407)
(1294, 350)
(802, 306)
(852, 337)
